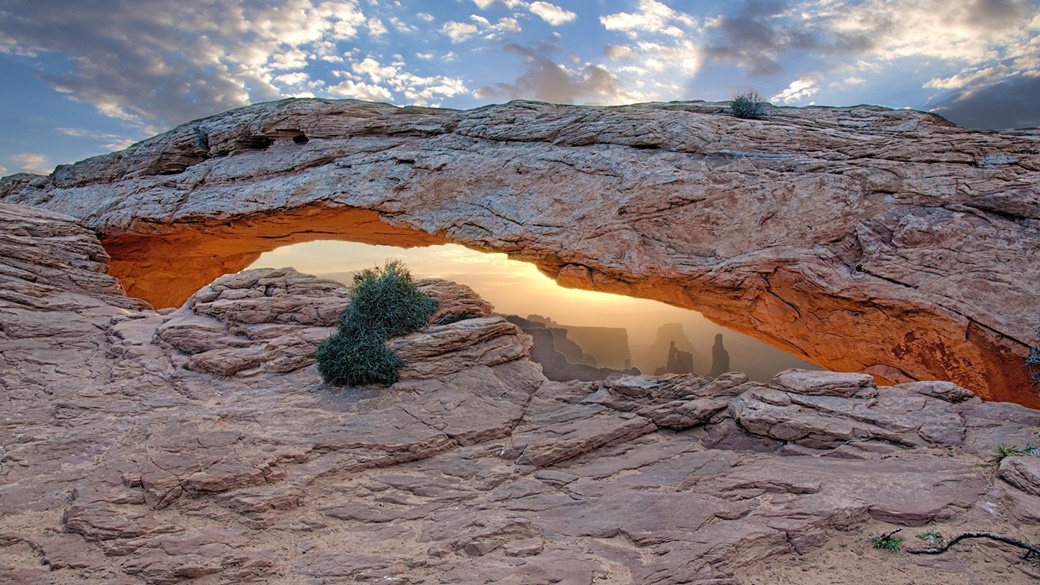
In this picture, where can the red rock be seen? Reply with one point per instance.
(894, 226)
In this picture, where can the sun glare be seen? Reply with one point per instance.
(511, 285)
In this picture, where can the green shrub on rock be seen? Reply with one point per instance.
(355, 360)
(384, 303)
(749, 106)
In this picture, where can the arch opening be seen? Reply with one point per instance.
(602, 330)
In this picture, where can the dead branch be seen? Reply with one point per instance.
(1031, 549)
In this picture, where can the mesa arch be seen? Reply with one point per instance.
(861, 239)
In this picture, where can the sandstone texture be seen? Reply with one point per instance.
(127, 458)
(860, 239)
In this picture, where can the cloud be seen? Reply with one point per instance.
(965, 31)
(617, 51)
(374, 70)
(370, 79)
(551, 13)
(463, 31)
(1007, 104)
(798, 91)
(144, 63)
(989, 51)
(361, 91)
(294, 78)
(508, 24)
(3, 170)
(33, 163)
(545, 80)
(966, 44)
(761, 37)
(154, 66)
(459, 31)
(663, 52)
(109, 141)
(652, 17)
(402, 26)
(376, 28)
(485, 4)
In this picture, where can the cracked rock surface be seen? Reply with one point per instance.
(861, 239)
(122, 462)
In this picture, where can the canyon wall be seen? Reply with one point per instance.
(860, 239)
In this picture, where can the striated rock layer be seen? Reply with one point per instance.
(129, 456)
(860, 239)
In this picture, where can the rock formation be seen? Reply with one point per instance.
(595, 346)
(128, 455)
(564, 363)
(862, 239)
(719, 357)
(608, 346)
(679, 361)
(669, 335)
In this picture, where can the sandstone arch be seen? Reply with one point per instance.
(165, 267)
(857, 238)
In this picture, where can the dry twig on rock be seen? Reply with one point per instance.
(1030, 548)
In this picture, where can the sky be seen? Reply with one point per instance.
(85, 77)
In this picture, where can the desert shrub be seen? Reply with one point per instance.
(749, 106)
(354, 360)
(384, 303)
(888, 541)
(1003, 451)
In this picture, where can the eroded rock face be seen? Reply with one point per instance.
(120, 464)
(860, 239)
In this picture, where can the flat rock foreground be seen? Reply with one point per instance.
(859, 239)
(198, 444)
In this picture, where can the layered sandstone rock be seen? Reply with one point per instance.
(120, 464)
(861, 239)
(273, 320)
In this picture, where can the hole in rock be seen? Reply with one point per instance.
(601, 330)
(255, 142)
